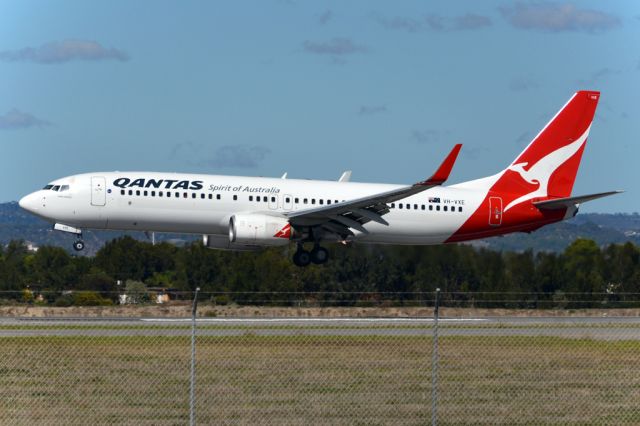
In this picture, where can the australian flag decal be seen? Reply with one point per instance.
(434, 199)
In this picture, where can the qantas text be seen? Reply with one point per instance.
(158, 183)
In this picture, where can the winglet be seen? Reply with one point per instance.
(442, 174)
(346, 176)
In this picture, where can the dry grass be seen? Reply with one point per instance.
(303, 379)
(183, 310)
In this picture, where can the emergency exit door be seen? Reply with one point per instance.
(98, 191)
(495, 211)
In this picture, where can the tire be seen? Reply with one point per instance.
(301, 258)
(319, 255)
(78, 245)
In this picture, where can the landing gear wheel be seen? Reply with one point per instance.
(78, 245)
(301, 258)
(319, 255)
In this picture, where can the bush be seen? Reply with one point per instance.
(63, 301)
(90, 298)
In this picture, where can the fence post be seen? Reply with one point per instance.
(434, 361)
(192, 388)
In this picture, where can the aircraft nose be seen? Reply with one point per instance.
(28, 202)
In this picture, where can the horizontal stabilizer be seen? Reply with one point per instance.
(560, 203)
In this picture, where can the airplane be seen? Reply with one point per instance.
(250, 213)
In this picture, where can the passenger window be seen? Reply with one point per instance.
(335, 201)
(393, 205)
(430, 208)
(273, 199)
(146, 193)
(399, 205)
(153, 193)
(168, 194)
(313, 201)
(265, 198)
(287, 200)
(211, 196)
(160, 193)
(438, 208)
(202, 196)
(193, 195)
(250, 197)
(423, 207)
(297, 200)
(415, 207)
(235, 198)
(218, 197)
(328, 201)
(445, 208)
(122, 192)
(459, 209)
(321, 201)
(137, 192)
(305, 201)
(130, 192)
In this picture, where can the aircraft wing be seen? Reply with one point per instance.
(339, 218)
(560, 203)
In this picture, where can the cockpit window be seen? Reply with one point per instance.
(48, 187)
(64, 188)
(55, 188)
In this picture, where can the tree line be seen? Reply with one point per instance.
(583, 275)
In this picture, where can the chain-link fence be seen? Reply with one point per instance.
(322, 362)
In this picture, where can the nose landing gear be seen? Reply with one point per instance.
(78, 245)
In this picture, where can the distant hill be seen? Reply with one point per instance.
(16, 224)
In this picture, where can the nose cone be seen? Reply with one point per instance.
(29, 203)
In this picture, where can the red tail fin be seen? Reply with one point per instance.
(551, 160)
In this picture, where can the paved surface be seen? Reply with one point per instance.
(617, 328)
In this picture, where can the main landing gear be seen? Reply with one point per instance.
(317, 255)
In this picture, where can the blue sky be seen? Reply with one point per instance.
(312, 88)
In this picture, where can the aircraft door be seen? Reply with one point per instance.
(495, 211)
(273, 202)
(98, 191)
(287, 202)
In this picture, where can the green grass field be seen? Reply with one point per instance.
(309, 379)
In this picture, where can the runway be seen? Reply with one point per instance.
(601, 328)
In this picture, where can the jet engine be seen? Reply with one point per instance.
(259, 230)
(221, 242)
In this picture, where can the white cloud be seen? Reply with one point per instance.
(64, 51)
(16, 119)
(556, 17)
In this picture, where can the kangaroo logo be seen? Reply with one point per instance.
(284, 232)
(542, 170)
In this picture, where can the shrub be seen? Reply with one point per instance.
(63, 301)
(90, 298)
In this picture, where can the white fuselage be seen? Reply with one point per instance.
(204, 204)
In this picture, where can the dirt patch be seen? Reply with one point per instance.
(183, 310)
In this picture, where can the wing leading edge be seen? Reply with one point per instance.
(353, 214)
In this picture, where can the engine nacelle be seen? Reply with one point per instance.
(259, 230)
(221, 242)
